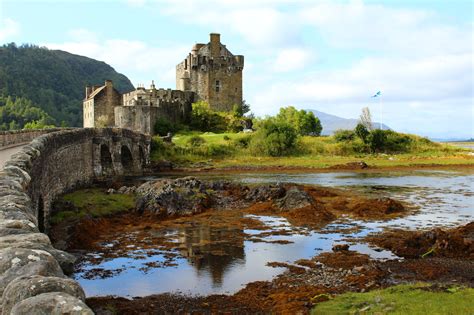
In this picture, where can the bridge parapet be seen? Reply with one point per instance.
(50, 165)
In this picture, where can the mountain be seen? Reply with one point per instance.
(332, 123)
(53, 80)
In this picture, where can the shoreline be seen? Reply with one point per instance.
(304, 169)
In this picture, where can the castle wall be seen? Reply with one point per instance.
(171, 105)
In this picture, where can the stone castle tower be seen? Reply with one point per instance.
(213, 73)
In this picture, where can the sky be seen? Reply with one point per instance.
(331, 56)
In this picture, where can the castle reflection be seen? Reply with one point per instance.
(213, 250)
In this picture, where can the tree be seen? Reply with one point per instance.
(203, 118)
(361, 132)
(274, 138)
(305, 123)
(245, 107)
(366, 118)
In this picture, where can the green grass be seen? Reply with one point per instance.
(402, 299)
(224, 150)
(93, 202)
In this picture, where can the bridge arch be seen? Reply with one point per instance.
(126, 158)
(106, 162)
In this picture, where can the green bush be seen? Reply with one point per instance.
(274, 138)
(344, 135)
(362, 132)
(195, 141)
(388, 141)
(163, 126)
(203, 118)
(305, 123)
(242, 142)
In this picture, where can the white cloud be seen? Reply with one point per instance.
(83, 35)
(136, 59)
(382, 28)
(8, 29)
(292, 59)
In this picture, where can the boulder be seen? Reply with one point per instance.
(51, 303)
(182, 196)
(9, 227)
(39, 241)
(294, 198)
(23, 288)
(265, 193)
(17, 262)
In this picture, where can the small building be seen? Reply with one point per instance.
(210, 73)
(98, 105)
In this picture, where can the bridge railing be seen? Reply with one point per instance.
(13, 138)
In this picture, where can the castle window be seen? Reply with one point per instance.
(218, 85)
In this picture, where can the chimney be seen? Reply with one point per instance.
(88, 91)
(108, 83)
(215, 45)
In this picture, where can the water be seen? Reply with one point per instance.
(209, 260)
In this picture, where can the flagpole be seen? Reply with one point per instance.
(380, 108)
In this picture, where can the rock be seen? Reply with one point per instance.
(126, 190)
(181, 196)
(25, 287)
(111, 191)
(16, 262)
(340, 247)
(265, 192)
(65, 259)
(53, 303)
(295, 199)
(39, 241)
(10, 227)
(30, 240)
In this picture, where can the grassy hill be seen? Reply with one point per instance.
(53, 80)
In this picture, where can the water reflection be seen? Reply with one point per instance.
(208, 259)
(212, 250)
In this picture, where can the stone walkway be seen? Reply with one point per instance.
(5, 154)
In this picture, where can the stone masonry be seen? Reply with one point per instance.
(32, 272)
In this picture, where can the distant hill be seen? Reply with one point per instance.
(53, 80)
(332, 123)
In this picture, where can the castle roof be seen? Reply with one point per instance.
(97, 91)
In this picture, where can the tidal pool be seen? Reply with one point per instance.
(210, 260)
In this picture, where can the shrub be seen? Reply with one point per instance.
(274, 138)
(242, 142)
(362, 132)
(344, 135)
(203, 118)
(163, 126)
(195, 141)
(389, 141)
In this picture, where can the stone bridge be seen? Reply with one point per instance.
(50, 165)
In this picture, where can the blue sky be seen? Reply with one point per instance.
(325, 55)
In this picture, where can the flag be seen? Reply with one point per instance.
(377, 94)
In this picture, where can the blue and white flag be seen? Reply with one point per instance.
(377, 94)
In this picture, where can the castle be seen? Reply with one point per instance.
(210, 73)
